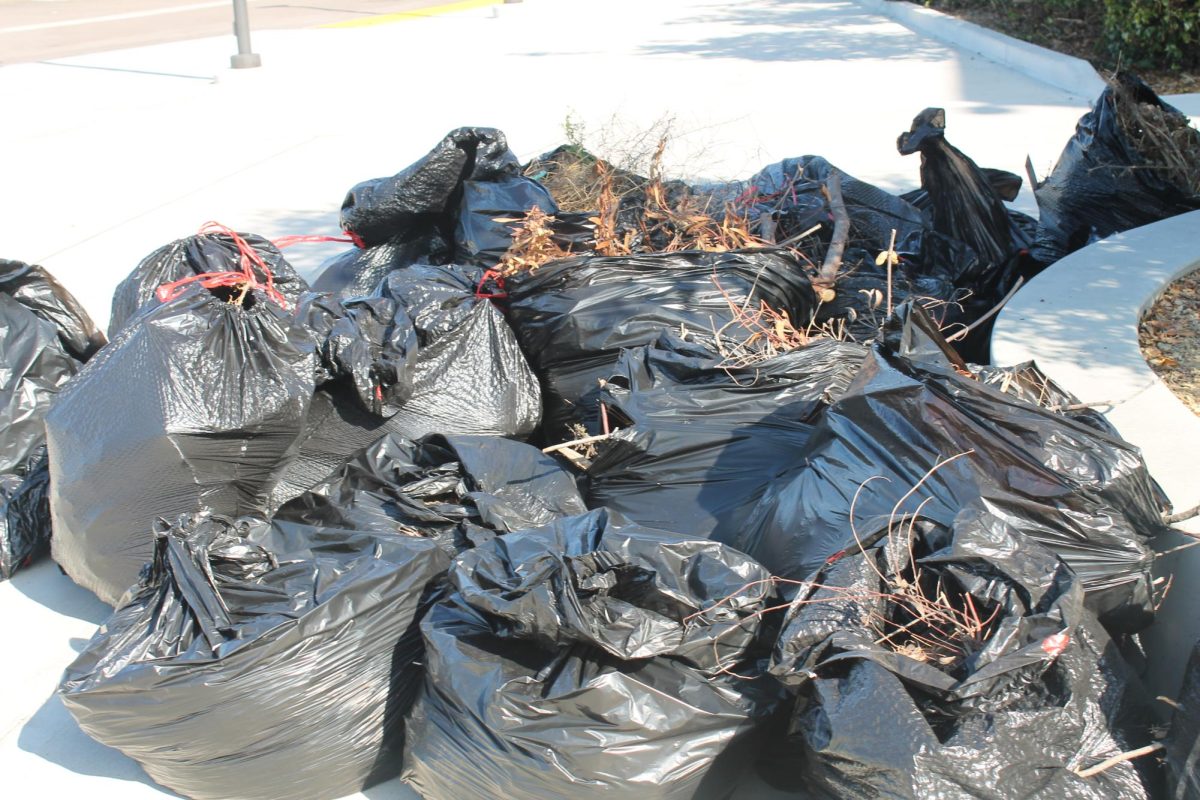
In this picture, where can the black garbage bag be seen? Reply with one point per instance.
(45, 335)
(964, 205)
(261, 661)
(1005, 184)
(791, 194)
(422, 354)
(488, 212)
(429, 191)
(216, 250)
(358, 271)
(572, 661)
(1134, 160)
(858, 307)
(199, 405)
(1183, 739)
(459, 490)
(35, 367)
(700, 440)
(574, 316)
(36, 289)
(24, 517)
(954, 662)
(1082, 492)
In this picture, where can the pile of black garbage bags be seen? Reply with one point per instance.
(540, 535)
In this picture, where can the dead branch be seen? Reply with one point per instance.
(1083, 407)
(1109, 763)
(841, 230)
(1171, 519)
(791, 240)
(993, 311)
(579, 442)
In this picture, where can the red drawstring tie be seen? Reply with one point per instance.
(212, 280)
(350, 238)
(495, 275)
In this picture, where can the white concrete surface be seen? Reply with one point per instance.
(105, 157)
(1065, 72)
(1079, 321)
(113, 154)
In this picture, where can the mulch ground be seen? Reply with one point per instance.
(1077, 33)
(1170, 339)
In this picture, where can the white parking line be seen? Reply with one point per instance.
(67, 23)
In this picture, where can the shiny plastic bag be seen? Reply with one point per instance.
(1183, 738)
(460, 490)
(215, 250)
(700, 440)
(261, 661)
(24, 517)
(199, 405)
(1082, 492)
(954, 662)
(574, 316)
(1111, 177)
(36, 289)
(573, 660)
(422, 354)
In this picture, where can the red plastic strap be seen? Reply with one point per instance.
(747, 197)
(288, 241)
(212, 280)
(1054, 645)
(499, 278)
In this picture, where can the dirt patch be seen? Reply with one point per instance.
(1076, 32)
(1169, 335)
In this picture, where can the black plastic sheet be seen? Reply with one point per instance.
(963, 203)
(34, 367)
(358, 271)
(1104, 182)
(931, 265)
(44, 336)
(422, 354)
(1183, 739)
(36, 289)
(24, 517)
(1003, 689)
(265, 661)
(574, 316)
(459, 490)
(1082, 492)
(701, 440)
(201, 254)
(572, 661)
(198, 405)
(428, 192)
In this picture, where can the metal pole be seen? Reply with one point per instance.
(241, 29)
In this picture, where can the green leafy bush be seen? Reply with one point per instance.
(1154, 33)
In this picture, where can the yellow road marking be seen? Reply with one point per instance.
(416, 13)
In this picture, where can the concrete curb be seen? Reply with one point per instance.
(1079, 321)
(1061, 71)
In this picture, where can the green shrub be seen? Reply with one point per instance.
(1154, 33)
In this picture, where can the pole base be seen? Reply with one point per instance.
(245, 60)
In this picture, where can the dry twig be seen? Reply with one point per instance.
(841, 231)
(1109, 763)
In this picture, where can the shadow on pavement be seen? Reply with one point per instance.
(53, 735)
(46, 584)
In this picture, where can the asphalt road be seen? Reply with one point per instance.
(42, 30)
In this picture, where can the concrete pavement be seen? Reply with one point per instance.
(105, 157)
